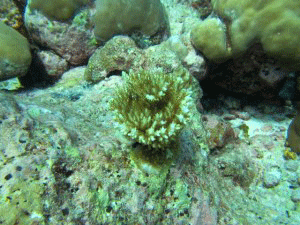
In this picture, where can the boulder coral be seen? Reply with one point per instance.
(275, 24)
(57, 9)
(126, 16)
(15, 55)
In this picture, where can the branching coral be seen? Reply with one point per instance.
(153, 107)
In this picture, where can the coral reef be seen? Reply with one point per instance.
(65, 160)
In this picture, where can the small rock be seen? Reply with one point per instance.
(291, 165)
(232, 103)
(241, 115)
(54, 64)
(196, 65)
(271, 75)
(295, 195)
(282, 128)
(219, 132)
(71, 78)
(292, 178)
(229, 117)
(272, 178)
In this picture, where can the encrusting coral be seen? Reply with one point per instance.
(153, 107)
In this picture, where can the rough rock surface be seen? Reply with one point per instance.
(122, 54)
(54, 65)
(72, 40)
(63, 159)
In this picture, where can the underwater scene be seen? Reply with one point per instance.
(149, 112)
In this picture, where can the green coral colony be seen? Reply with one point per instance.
(153, 107)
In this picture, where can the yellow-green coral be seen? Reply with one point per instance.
(153, 107)
(202, 36)
(288, 154)
(15, 54)
(275, 24)
(23, 203)
(14, 46)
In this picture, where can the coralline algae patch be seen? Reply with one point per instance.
(260, 126)
(21, 194)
